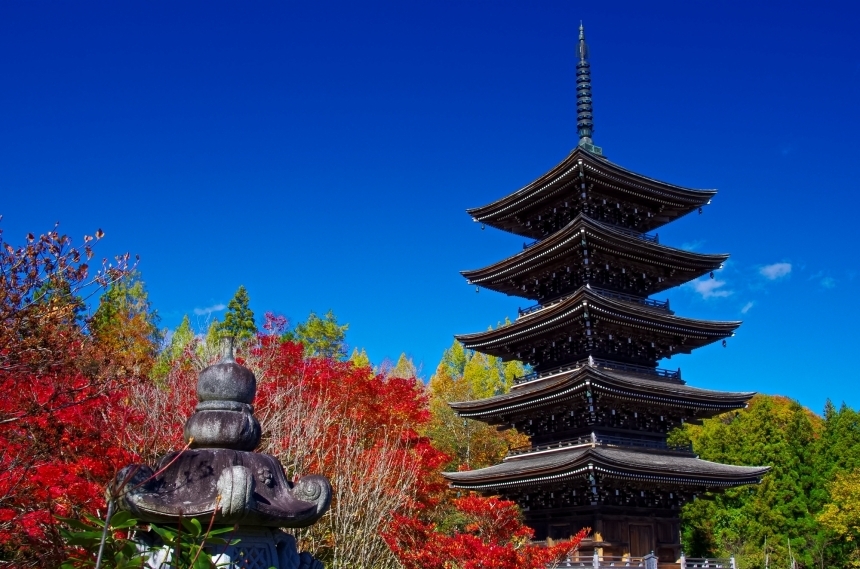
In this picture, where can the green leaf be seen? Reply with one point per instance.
(73, 523)
(192, 526)
(219, 531)
(119, 519)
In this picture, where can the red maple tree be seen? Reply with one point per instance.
(491, 537)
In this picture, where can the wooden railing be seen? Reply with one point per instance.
(594, 438)
(660, 304)
(674, 374)
(603, 561)
(633, 233)
(648, 562)
(649, 302)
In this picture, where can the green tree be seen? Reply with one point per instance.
(321, 337)
(179, 340)
(840, 442)
(126, 326)
(772, 431)
(239, 318)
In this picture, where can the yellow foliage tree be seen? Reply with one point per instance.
(125, 328)
(464, 376)
(842, 514)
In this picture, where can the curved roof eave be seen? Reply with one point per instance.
(655, 391)
(613, 462)
(691, 197)
(530, 256)
(652, 318)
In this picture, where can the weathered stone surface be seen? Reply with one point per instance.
(219, 428)
(226, 381)
(253, 489)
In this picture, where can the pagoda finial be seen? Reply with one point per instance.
(584, 122)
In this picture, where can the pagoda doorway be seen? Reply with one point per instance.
(641, 540)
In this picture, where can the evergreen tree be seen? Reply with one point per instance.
(321, 337)
(772, 431)
(239, 319)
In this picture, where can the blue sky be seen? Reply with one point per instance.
(322, 154)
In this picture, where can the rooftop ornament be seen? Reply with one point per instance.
(584, 116)
(220, 477)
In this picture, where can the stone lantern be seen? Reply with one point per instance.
(220, 475)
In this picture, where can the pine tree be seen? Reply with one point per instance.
(239, 319)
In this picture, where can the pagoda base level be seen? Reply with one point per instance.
(613, 535)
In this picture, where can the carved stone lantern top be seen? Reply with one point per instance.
(224, 417)
(220, 474)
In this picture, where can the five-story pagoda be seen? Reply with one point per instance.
(597, 408)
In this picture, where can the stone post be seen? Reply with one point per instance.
(650, 561)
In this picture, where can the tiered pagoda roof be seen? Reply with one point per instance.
(663, 389)
(586, 250)
(611, 462)
(585, 182)
(595, 323)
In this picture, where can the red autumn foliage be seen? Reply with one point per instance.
(59, 442)
(54, 464)
(383, 413)
(492, 537)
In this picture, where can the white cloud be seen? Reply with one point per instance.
(775, 271)
(710, 288)
(209, 309)
(747, 307)
(692, 245)
(823, 279)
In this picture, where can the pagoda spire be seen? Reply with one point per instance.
(584, 116)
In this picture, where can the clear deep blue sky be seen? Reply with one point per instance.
(322, 154)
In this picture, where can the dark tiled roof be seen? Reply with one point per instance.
(549, 391)
(618, 462)
(570, 314)
(685, 264)
(615, 178)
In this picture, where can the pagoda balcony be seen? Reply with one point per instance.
(655, 238)
(633, 233)
(601, 440)
(673, 374)
(649, 302)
